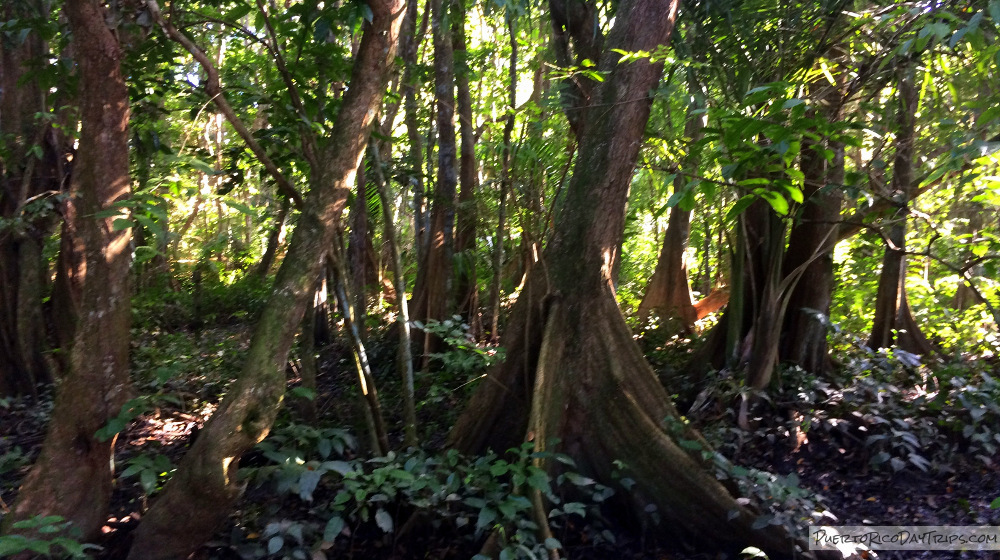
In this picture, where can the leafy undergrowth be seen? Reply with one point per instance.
(884, 440)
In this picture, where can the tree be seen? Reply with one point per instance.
(574, 372)
(892, 310)
(72, 477)
(668, 291)
(433, 291)
(33, 170)
(206, 484)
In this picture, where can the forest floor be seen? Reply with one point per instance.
(825, 450)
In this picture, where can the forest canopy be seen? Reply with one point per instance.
(499, 279)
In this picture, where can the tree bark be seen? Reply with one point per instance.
(505, 172)
(404, 353)
(466, 292)
(432, 293)
(26, 175)
(206, 482)
(669, 291)
(273, 239)
(73, 474)
(571, 358)
(576, 39)
(892, 311)
(811, 244)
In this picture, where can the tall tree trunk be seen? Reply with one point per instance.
(466, 292)
(669, 291)
(25, 176)
(404, 356)
(366, 381)
(432, 293)
(359, 249)
(505, 173)
(892, 310)
(415, 173)
(73, 474)
(576, 38)
(813, 236)
(571, 358)
(206, 482)
(811, 244)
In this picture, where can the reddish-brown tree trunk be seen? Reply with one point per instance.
(73, 474)
(572, 361)
(668, 291)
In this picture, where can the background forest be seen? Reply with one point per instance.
(502, 279)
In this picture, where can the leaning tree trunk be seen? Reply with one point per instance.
(892, 311)
(206, 482)
(273, 239)
(572, 361)
(73, 474)
(432, 292)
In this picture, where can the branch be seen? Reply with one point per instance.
(214, 90)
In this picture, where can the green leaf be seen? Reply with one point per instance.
(995, 504)
(508, 509)
(552, 544)
(486, 518)
(794, 102)
(777, 202)
(238, 12)
(308, 394)
(241, 208)
(121, 224)
(147, 479)
(145, 253)
(333, 528)
(339, 467)
(741, 205)
(795, 193)
(674, 199)
(113, 428)
(308, 481)
(275, 544)
(538, 479)
(383, 520)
